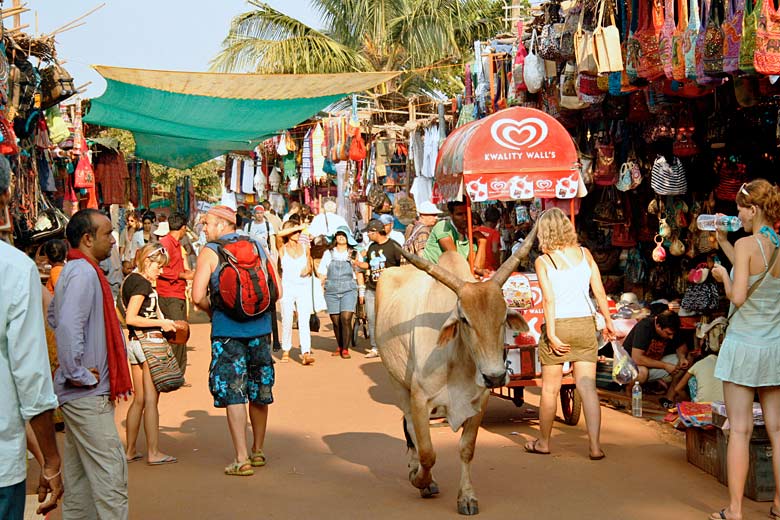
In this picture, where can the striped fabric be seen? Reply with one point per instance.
(668, 179)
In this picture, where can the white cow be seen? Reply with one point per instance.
(440, 334)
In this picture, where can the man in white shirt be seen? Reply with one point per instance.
(327, 222)
(261, 230)
(25, 379)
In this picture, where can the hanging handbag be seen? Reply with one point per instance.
(56, 85)
(650, 65)
(533, 68)
(623, 234)
(314, 320)
(583, 48)
(684, 145)
(767, 56)
(680, 41)
(690, 38)
(550, 41)
(569, 96)
(567, 35)
(84, 176)
(633, 49)
(747, 44)
(588, 90)
(163, 367)
(665, 38)
(668, 179)
(732, 32)
(713, 45)
(605, 172)
(517, 67)
(8, 144)
(606, 44)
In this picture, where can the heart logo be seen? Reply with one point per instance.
(544, 184)
(498, 185)
(519, 135)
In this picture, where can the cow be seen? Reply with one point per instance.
(440, 335)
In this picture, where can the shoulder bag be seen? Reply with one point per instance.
(665, 38)
(713, 44)
(608, 53)
(583, 48)
(732, 33)
(747, 45)
(767, 57)
(163, 367)
(690, 38)
(679, 41)
(650, 65)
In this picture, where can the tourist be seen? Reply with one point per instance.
(55, 250)
(93, 373)
(337, 272)
(272, 217)
(567, 274)
(327, 221)
(25, 380)
(172, 283)
(388, 221)
(749, 359)
(260, 229)
(381, 254)
(144, 235)
(297, 287)
(417, 234)
(242, 368)
(144, 324)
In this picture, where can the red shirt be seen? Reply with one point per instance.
(169, 285)
(493, 240)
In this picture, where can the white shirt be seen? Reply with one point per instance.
(26, 388)
(260, 231)
(322, 225)
(397, 236)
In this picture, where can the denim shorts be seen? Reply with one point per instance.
(341, 302)
(241, 370)
(135, 353)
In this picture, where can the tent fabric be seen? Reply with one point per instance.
(515, 154)
(180, 119)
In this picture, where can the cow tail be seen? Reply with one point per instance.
(409, 441)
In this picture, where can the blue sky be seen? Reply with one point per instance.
(147, 34)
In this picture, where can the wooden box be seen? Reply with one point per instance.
(701, 447)
(760, 483)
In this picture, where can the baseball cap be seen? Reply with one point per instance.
(375, 225)
(259, 208)
(386, 219)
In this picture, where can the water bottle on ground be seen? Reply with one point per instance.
(718, 223)
(636, 400)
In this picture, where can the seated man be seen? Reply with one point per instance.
(452, 235)
(659, 351)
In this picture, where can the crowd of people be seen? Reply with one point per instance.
(313, 263)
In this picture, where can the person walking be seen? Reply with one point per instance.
(92, 374)
(25, 379)
(337, 272)
(749, 359)
(128, 243)
(172, 282)
(144, 324)
(417, 234)
(567, 274)
(260, 229)
(298, 292)
(242, 369)
(381, 254)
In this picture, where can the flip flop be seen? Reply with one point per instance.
(721, 515)
(773, 514)
(533, 449)
(165, 460)
(133, 459)
(597, 457)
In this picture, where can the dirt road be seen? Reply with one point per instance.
(335, 450)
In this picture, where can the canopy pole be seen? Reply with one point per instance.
(471, 233)
(571, 211)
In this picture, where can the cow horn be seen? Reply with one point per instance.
(436, 271)
(511, 263)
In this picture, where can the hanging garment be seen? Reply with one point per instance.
(317, 155)
(248, 177)
(235, 175)
(431, 151)
(417, 151)
(307, 160)
(275, 179)
(112, 175)
(146, 184)
(228, 199)
(422, 190)
(260, 182)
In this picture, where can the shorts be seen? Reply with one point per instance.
(655, 374)
(241, 371)
(579, 333)
(135, 354)
(341, 302)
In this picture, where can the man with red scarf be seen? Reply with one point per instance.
(92, 373)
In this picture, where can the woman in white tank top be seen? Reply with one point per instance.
(566, 275)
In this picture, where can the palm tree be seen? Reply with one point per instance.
(364, 35)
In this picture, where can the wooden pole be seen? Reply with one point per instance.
(470, 232)
(17, 4)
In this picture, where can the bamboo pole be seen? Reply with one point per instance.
(69, 25)
(17, 15)
(13, 11)
(18, 28)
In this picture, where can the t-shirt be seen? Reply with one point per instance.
(708, 387)
(379, 258)
(134, 285)
(493, 240)
(169, 284)
(445, 228)
(260, 232)
(644, 337)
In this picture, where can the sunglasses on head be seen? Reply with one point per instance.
(160, 250)
(743, 190)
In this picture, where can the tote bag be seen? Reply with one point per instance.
(533, 68)
(668, 179)
(650, 66)
(747, 44)
(163, 367)
(606, 40)
(767, 57)
(665, 38)
(678, 41)
(690, 39)
(583, 48)
(732, 35)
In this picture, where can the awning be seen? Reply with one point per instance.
(516, 153)
(181, 119)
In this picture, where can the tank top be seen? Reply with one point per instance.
(291, 270)
(571, 286)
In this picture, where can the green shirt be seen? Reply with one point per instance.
(442, 229)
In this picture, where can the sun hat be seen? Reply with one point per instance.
(346, 232)
(428, 208)
(223, 212)
(375, 225)
(386, 219)
(162, 229)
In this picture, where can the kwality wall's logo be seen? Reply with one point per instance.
(521, 137)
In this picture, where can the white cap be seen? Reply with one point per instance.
(162, 229)
(428, 208)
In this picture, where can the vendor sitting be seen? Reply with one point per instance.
(659, 352)
(452, 235)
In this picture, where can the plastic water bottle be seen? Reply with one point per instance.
(718, 222)
(636, 400)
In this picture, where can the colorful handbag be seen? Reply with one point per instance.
(713, 45)
(588, 89)
(550, 41)
(678, 41)
(632, 43)
(665, 38)
(650, 65)
(690, 39)
(767, 56)
(605, 172)
(732, 35)
(163, 367)
(583, 48)
(606, 42)
(517, 67)
(747, 45)
(637, 107)
(569, 96)
(668, 179)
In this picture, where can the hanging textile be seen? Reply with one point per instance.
(307, 163)
(235, 175)
(248, 177)
(146, 185)
(318, 157)
(260, 180)
(431, 150)
(417, 151)
(112, 175)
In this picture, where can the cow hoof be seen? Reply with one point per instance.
(468, 506)
(430, 491)
(419, 479)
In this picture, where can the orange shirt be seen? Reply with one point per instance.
(54, 275)
(493, 241)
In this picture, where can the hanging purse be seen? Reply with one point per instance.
(588, 90)
(605, 172)
(84, 176)
(569, 95)
(732, 32)
(767, 56)
(668, 179)
(747, 44)
(680, 41)
(583, 48)
(8, 144)
(314, 320)
(533, 68)
(633, 48)
(606, 43)
(713, 45)
(684, 145)
(567, 35)
(665, 38)
(659, 253)
(650, 65)
(623, 235)
(550, 39)
(690, 38)
(517, 67)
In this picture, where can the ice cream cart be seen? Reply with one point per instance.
(515, 154)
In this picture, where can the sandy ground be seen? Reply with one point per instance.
(335, 450)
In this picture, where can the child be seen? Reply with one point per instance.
(55, 251)
(701, 381)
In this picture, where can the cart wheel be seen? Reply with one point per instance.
(355, 330)
(571, 405)
(517, 396)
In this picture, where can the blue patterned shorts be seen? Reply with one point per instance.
(242, 370)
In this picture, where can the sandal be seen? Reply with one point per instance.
(774, 515)
(530, 447)
(257, 458)
(235, 469)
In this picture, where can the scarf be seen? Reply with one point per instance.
(118, 373)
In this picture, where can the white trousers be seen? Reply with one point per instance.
(296, 297)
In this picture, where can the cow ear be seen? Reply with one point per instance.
(515, 321)
(448, 331)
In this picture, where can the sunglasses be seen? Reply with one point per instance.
(159, 251)
(743, 190)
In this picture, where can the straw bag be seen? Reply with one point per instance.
(606, 40)
(584, 49)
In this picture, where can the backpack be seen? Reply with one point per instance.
(244, 285)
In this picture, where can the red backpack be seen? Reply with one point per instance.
(244, 284)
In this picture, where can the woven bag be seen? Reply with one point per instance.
(767, 56)
(650, 65)
(747, 45)
(732, 35)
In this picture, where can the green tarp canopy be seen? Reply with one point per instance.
(180, 119)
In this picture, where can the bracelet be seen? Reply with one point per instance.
(53, 476)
